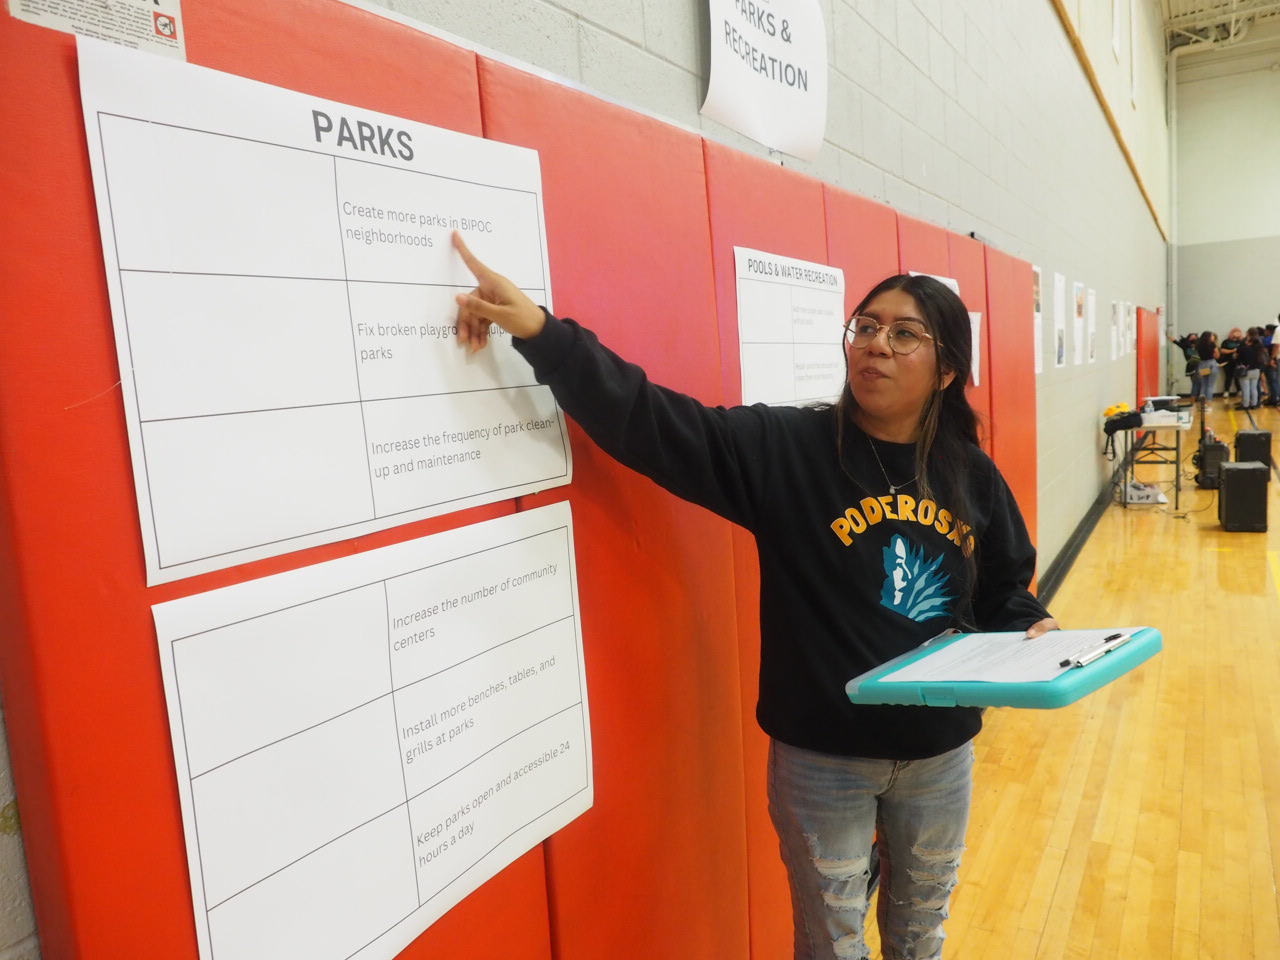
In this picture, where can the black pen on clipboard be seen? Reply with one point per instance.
(1108, 644)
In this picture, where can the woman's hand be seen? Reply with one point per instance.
(494, 300)
(1041, 627)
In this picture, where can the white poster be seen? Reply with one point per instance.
(361, 743)
(1037, 319)
(1117, 329)
(1059, 320)
(1132, 310)
(155, 26)
(975, 327)
(282, 284)
(769, 72)
(790, 328)
(1092, 317)
(1077, 326)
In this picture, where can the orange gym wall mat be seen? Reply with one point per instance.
(83, 698)
(1010, 302)
(969, 267)
(1148, 354)
(630, 251)
(862, 240)
(642, 219)
(922, 247)
(761, 205)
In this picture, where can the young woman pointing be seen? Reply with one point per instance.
(879, 523)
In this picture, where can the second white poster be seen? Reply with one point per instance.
(790, 328)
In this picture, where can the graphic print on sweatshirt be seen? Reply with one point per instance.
(914, 586)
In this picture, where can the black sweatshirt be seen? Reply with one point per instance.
(849, 576)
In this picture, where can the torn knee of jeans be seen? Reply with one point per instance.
(850, 947)
(856, 903)
(939, 867)
(846, 882)
(840, 868)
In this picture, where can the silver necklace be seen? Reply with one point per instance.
(893, 488)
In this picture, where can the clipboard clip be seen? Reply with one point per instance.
(1108, 644)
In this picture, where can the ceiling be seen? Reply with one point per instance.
(1218, 22)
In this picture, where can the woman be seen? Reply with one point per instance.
(1271, 372)
(879, 524)
(1207, 369)
(1252, 359)
(1228, 360)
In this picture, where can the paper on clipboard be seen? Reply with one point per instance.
(1003, 657)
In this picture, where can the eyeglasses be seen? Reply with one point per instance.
(904, 336)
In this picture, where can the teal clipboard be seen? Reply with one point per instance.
(1068, 687)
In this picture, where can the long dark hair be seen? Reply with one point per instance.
(1204, 346)
(948, 425)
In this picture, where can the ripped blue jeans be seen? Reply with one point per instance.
(827, 810)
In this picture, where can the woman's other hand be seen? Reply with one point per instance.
(494, 300)
(1041, 627)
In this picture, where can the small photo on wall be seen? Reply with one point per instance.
(1091, 315)
(1077, 325)
(1037, 320)
(1059, 320)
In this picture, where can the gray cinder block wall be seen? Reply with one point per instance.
(972, 114)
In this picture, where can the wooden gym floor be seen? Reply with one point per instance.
(1143, 822)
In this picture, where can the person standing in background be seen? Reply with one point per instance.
(1202, 380)
(1228, 361)
(1187, 344)
(1250, 360)
(1271, 372)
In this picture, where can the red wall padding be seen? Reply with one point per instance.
(862, 240)
(1148, 355)
(677, 859)
(969, 268)
(83, 698)
(922, 247)
(1010, 302)
(658, 868)
(340, 53)
(761, 205)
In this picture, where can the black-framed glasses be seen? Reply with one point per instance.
(904, 336)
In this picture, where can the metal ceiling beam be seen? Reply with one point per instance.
(1209, 18)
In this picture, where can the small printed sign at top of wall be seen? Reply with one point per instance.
(769, 72)
(151, 25)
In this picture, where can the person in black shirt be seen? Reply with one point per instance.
(1187, 344)
(1271, 371)
(1206, 372)
(1252, 359)
(879, 524)
(1229, 361)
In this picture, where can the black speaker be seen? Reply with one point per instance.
(1242, 502)
(1253, 445)
(1212, 456)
